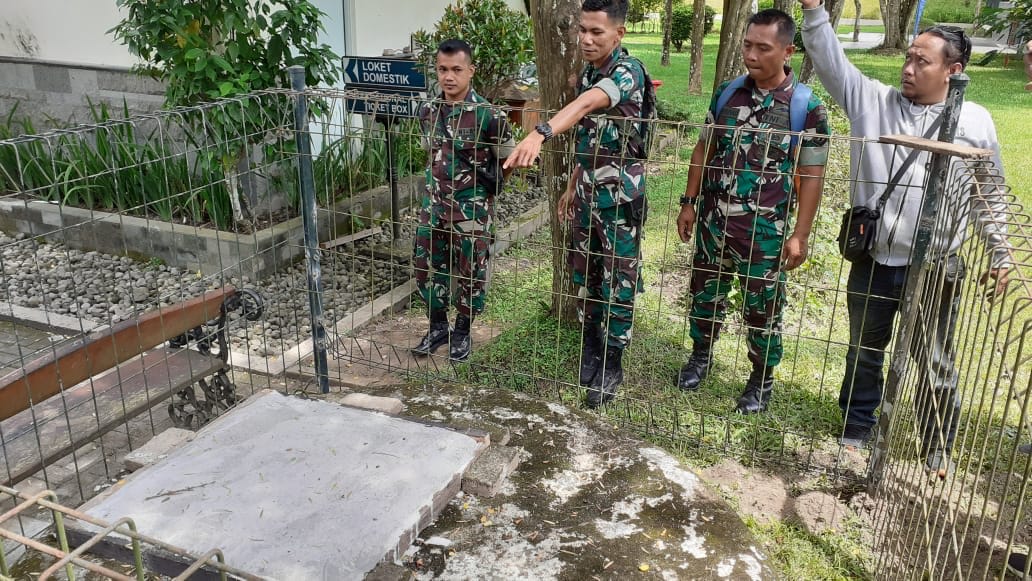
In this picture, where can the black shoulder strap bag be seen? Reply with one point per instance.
(860, 223)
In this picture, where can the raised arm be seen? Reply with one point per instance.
(851, 89)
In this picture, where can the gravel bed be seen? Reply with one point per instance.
(107, 289)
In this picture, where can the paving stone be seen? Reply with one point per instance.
(387, 405)
(158, 448)
(487, 474)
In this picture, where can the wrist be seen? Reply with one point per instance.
(544, 130)
(687, 200)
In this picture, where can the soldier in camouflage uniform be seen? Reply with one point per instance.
(746, 171)
(466, 138)
(605, 197)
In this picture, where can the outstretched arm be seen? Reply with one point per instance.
(528, 150)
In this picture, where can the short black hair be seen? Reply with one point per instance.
(786, 26)
(616, 10)
(454, 46)
(958, 46)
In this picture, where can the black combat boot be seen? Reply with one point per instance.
(757, 392)
(607, 379)
(461, 342)
(436, 336)
(591, 353)
(696, 369)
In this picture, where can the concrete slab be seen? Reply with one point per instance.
(387, 405)
(157, 448)
(292, 488)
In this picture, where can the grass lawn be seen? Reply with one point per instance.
(999, 89)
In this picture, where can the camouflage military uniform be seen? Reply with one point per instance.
(746, 192)
(466, 143)
(609, 207)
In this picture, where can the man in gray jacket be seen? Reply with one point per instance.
(876, 284)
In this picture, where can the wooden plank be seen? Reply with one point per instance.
(78, 360)
(51, 430)
(935, 146)
(350, 238)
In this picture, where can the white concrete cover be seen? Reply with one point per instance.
(292, 488)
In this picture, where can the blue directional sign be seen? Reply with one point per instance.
(385, 73)
(397, 106)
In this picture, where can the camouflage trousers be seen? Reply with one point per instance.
(452, 249)
(605, 259)
(747, 247)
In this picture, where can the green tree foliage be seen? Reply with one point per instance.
(1017, 18)
(502, 41)
(209, 49)
(681, 24)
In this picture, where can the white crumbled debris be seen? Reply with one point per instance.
(615, 530)
(659, 545)
(512, 512)
(535, 419)
(508, 488)
(672, 469)
(693, 543)
(669, 575)
(752, 566)
(506, 414)
(437, 416)
(654, 502)
(725, 567)
(438, 542)
(558, 409)
(586, 469)
(629, 508)
(501, 557)
(462, 415)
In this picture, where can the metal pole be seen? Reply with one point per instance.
(308, 216)
(392, 176)
(910, 309)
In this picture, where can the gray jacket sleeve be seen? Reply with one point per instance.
(852, 90)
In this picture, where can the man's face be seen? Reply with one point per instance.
(763, 53)
(926, 76)
(454, 74)
(598, 36)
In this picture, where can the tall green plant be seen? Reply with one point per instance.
(209, 49)
(502, 41)
(681, 24)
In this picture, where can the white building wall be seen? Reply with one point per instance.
(75, 31)
(65, 31)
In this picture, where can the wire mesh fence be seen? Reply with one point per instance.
(155, 187)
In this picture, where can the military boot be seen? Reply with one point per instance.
(695, 370)
(757, 392)
(461, 343)
(591, 354)
(607, 379)
(436, 336)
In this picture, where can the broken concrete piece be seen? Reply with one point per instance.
(487, 473)
(157, 448)
(387, 405)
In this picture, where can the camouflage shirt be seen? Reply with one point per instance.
(752, 169)
(466, 143)
(608, 176)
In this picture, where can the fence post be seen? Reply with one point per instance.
(910, 310)
(308, 216)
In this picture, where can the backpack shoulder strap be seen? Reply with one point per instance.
(725, 96)
(797, 110)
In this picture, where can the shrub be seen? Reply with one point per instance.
(681, 24)
(502, 41)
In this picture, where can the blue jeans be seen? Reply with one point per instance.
(874, 291)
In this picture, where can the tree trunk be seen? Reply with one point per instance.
(732, 30)
(784, 6)
(558, 65)
(834, 8)
(856, 21)
(668, 24)
(897, 16)
(698, 37)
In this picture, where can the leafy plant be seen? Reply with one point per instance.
(209, 49)
(1017, 19)
(502, 41)
(681, 24)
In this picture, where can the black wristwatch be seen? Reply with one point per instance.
(687, 200)
(545, 130)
